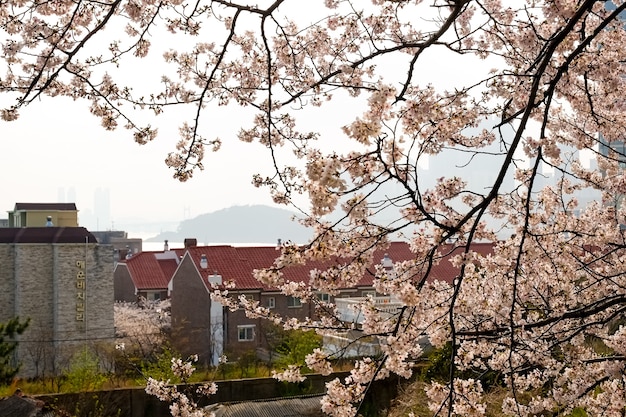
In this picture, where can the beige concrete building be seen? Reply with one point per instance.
(39, 214)
(62, 280)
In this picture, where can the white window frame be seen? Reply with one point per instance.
(368, 292)
(271, 302)
(249, 329)
(293, 302)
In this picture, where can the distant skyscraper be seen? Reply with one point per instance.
(61, 195)
(102, 208)
(614, 150)
(71, 195)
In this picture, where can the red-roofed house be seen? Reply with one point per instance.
(145, 274)
(203, 327)
(193, 330)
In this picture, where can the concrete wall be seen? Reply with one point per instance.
(136, 403)
(7, 282)
(59, 218)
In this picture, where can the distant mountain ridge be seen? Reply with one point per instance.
(240, 224)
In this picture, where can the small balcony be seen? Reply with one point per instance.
(350, 308)
(353, 343)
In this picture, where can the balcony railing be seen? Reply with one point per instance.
(350, 308)
(352, 343)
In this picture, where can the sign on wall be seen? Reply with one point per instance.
(81, 288)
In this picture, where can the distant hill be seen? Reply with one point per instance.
(240, 224)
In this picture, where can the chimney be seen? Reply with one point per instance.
(386, 262)
(190, 242)
(166, 247)
(204, 263)
(49, 222)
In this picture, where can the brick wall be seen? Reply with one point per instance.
(67, 292)
(191, 303)
(123, 283)
(7, 283)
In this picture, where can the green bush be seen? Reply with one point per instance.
(160, 368)
(295, 345)
(84, 372)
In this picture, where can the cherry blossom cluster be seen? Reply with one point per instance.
(182, 403)
(142, 326)
(341, 397)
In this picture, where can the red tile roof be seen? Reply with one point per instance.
(232, 264)
(444, 270)
(153, 270)
(238, 263)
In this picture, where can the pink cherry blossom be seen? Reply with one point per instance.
(350, 100)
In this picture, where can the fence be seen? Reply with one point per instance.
(134, 402)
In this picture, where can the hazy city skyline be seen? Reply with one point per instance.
(119, 185)
(84, 158)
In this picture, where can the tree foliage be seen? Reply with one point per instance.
(390, 83)
(8, 344)
(84, 373)
(295, 347)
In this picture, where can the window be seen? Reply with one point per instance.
(153, 296)
(245, 333)
(294, 302)
(248, 298)
(366, 293)
(271, 302)
(324, 297)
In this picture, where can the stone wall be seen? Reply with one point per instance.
(66, 290)
(7, 282)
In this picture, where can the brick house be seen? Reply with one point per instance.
(196, 333)
(205, 328)
(145, 274)
(61, 279)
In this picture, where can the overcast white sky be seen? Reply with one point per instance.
(57, 150)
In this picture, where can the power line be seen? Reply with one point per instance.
(83, 339)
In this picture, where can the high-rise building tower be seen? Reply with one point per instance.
(102, 208)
